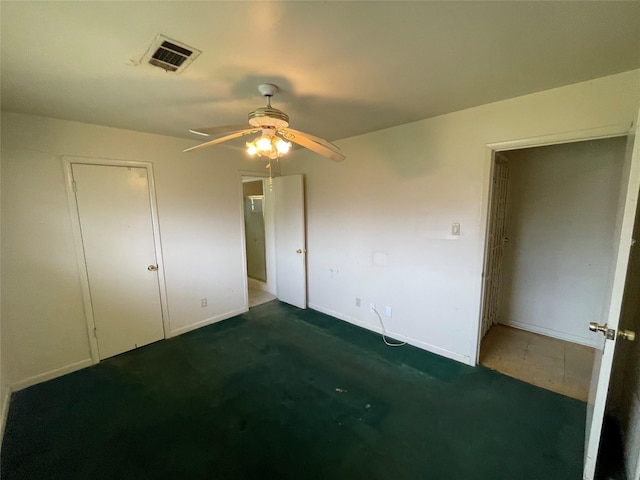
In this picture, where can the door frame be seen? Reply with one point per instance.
(491, 149)
(68, 162)
(269, 231)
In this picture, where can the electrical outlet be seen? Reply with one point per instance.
(203, 303)
(387, 311)
(372, 307)
(358, 302)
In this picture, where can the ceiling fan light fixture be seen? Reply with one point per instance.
(264, 143)
(251, 149)
(282, 146)
(268, 145)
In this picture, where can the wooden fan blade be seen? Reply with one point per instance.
(219, 130)
(246, 131)
(319, 140)
(325, 148)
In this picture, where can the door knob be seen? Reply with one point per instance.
(610, 333)
(595, 327)
(300, 250)
(152, 268)
(627, 335)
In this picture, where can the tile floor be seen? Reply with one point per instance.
(258, 297)
(556, 365)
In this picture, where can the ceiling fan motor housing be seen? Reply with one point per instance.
(268, 117)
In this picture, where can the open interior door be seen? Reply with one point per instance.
(608, 331)
(291, 264)
(624, 390)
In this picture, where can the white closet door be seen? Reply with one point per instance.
(118, 240)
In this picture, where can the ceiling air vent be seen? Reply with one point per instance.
(170, 55)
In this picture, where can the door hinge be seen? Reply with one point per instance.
(95, 332)
(74, 186)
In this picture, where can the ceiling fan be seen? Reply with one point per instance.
(271, 122)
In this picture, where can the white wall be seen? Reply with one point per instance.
(562, 205)
(382, 218)
(199, 205)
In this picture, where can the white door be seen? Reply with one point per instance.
(603, 362)
(625, 386)
(116, 225)
(291, 268)
(496, 244)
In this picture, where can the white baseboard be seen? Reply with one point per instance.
(58, 372)
(549, 332)
(209, 321)
(50, 375)
(396, 336)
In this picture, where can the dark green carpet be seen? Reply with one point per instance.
(281, 393)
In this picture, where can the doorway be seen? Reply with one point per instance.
(283, 214)
(549, 255)
(257, 202)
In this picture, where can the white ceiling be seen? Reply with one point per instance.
(344, 67)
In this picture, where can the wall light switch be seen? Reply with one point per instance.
(387, 311)
(455, 229)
